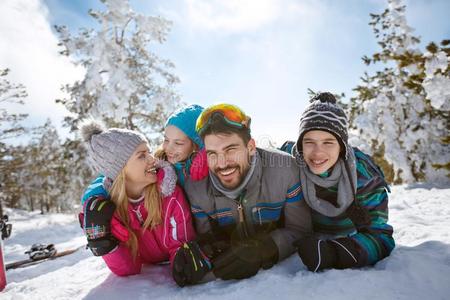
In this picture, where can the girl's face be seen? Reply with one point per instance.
(140, 170)
(320, 150)
(177, 145)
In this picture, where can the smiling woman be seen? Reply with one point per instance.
(133, 213)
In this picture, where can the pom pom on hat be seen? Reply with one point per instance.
(324, 98)
(89, 129)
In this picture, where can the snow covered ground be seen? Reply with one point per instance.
(419, 267)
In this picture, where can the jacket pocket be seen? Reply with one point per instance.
(266, 212)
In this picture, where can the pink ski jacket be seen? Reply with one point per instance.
(154, 245)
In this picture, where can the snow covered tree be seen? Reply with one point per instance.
(45, 174)
(74, 173)
(10, 94)
(41, 183)
(401, 112)
(125, 84)
(10, 127)
(11, 165)
(55, 171)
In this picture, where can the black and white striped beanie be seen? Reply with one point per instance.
(324, 114)
(109, 149)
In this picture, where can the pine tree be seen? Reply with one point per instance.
(402, 110)
(10, 94)
(10, 127)
(74, 174)
(126, 84)
(10, 176)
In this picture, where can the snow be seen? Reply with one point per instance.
(418, 268)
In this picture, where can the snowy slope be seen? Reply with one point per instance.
(419, 268)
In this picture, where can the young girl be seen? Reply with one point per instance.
(134, 213)
(345, 190)
(182, 146)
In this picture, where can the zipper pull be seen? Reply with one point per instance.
(241, 213)
(138, 214)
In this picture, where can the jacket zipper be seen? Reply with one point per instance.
(240, 212)
(138, 214)
(241, 215)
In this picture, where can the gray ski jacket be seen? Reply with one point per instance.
(270, 203)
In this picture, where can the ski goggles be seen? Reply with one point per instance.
(232, 115)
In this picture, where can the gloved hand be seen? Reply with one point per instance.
(199, 166)
(190, 264)
(319, 254)
(245, 258)
(213, 244)
(97, 215)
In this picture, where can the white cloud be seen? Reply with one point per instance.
(232, 15)
(29, 48)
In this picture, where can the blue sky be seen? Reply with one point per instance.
(262, 55)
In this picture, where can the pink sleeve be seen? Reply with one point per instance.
(121, 262)
(177, 223)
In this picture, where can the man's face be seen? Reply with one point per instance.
(229, 158)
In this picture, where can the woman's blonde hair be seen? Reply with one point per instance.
(152, 203)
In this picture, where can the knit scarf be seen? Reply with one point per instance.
(233, 194)
(346, 186)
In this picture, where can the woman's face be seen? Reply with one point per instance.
(320, 150)
(140, 170)
(177, 145)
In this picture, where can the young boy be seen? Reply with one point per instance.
(345, 190)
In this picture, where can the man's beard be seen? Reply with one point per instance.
(240, 169)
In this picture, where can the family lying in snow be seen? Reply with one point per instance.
(251, 207)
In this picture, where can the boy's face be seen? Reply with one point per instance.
(320, 150)
(229, 158)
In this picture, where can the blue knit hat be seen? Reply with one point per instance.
(185, 119)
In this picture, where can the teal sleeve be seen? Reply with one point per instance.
(95, 188)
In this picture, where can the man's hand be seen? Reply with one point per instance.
(244, 259)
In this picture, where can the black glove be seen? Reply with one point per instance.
(190, 264)
(213, 244)
(98, 213)
(244, 259)
(318, 254)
